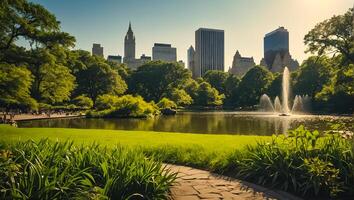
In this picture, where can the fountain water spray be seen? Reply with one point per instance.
(285, 91)
(300, 103)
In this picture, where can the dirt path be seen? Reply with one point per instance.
(195, 184)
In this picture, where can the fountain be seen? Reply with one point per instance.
(300, 103)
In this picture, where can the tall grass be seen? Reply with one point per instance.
(53, 170)
(307, 163)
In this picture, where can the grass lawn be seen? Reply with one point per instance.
(131, 138)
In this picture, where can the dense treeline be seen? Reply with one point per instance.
(46, 73)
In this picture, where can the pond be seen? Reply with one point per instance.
(241, 123)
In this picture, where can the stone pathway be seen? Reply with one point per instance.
(195, 184)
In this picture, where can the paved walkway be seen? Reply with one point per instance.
(195, 184)
(23, 117)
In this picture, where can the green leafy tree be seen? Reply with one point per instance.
(166, 103)
(253, 84)
(98, 79)
(32, 23)
(53, 81)
(208, 96)
(216, 79)
(338, 95)
(153, 79)
(312, 76)
(231, 90)
(179, 96)
(83, 101)
(332, 36)
(15, 83)
(275, 87)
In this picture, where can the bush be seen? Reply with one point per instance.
(83, 102)
(106, 101)
(53, 170)
(165, 103)
(180, 97)
(125, 106)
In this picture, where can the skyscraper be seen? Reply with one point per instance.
(129, 45)
(164, 52)
(190, 60)
(276, 51)
(209, 50)
(97, 50)
(276, 42)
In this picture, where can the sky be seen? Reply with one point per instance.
(174, 21)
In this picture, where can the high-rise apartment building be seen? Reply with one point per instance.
(97, 50)
(164, 52)
(209, 50)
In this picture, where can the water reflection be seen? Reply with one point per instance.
(245, 123)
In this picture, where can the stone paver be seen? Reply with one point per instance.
(195, 184)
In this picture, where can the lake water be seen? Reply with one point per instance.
(242, 123)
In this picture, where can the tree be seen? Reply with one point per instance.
(253, 84)
(179, 96)
(30, 22)
(83, 101)
(216, 79)
(231, 90)
(166, 103)
(15, 85)
(312, 76)
(153, 79)
(338, 94)
(99, 79)
(332, 36)
(208, 96)
(53, 81)
(275, 88)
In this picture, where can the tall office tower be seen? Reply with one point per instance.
(241, 65)
(129, 45)
(164, 52)
(276, 51)
(209, 50)
(97, 50)
(190, 60)
(275, 42)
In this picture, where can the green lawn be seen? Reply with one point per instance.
(131, 138)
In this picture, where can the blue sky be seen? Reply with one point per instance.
(174, 21)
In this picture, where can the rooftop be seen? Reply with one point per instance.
(210, 29)
(280, 29)
(161, 45)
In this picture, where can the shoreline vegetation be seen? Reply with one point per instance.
(306, 163)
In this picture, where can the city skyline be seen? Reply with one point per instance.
(174, 22)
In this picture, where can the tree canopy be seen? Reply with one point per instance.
(153, 79)
(334, 35)
(253, 84)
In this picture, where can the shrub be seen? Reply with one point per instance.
(165, 103)
(53, 170)
(106, 101)
(180, 97)
(125, 106)
(83, 102)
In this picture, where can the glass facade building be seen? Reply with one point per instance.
(275, 42)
